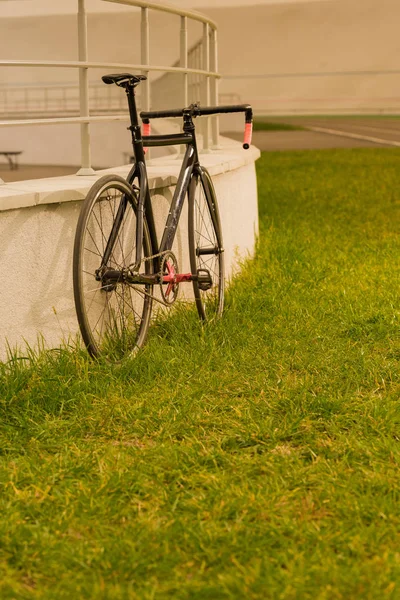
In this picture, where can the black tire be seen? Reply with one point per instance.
(113, 319)
(205, 246)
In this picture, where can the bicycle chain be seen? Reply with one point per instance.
(145, 258)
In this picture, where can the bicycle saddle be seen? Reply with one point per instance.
(123, 79)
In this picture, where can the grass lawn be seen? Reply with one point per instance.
(255, 459)
(259, 125)
(260, 119)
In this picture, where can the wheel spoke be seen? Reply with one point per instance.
(202, 236)
(113, 316)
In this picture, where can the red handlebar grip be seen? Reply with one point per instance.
(146, 131)
(248, 129)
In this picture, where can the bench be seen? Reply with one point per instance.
(12, 158)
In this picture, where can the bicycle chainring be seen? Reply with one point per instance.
(168, 285)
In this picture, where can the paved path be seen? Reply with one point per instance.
(328, 132)
(323, 132)
(299, 140)
(34, 172)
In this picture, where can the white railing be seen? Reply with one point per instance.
(39, 100)
(207, 74)
(201, 56)
(57, 99)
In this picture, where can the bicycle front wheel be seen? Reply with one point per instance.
(113, 315)
(205, 247)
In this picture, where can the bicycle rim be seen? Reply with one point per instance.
(205, 246)
(113, 318)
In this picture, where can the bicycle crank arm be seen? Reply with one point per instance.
(178, 277)
(203, 276)
(113, 276)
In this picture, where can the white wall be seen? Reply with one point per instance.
(308, 37)
(37, 236)
(253, 40)
(60, 144)
(111, 38)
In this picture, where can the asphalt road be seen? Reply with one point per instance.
(328, 132)
(33, 172)
(321, 132)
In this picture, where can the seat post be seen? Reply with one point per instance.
(130, 92)
(137, 144)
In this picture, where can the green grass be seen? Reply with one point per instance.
(259, 125)
(257, 458)
(331, 116)
(264, 123)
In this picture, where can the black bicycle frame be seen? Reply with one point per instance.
(138, 171)
(190, 164)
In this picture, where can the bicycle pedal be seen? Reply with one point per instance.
(204, 280)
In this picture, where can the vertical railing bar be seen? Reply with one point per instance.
(203, 56)
(206, 84)
(184, 58)
(145, 57)
(83, 90)
(145, 60)
(194, 79)
(183, 63)
(5, 110)
(214, 88)
(200, 66)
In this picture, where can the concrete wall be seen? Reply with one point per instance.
(253, 41)
(37, 228)
(308, 37)
(111, 38)
(60, 144)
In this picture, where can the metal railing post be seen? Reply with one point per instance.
(86, 168)
(206, 85)
(183, 62)
(145, 60)
(214, 88)
(5, 110)
(194, 68)
(145, 57)
(184, 58)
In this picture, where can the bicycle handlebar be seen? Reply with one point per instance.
(195, 110)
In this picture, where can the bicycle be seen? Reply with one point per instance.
(117, 260)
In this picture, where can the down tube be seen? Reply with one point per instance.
(178, 200)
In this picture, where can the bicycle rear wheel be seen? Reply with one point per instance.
(113, 314)
(205, 247)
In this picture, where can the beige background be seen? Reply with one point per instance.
(257, 40)
(254, 42)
